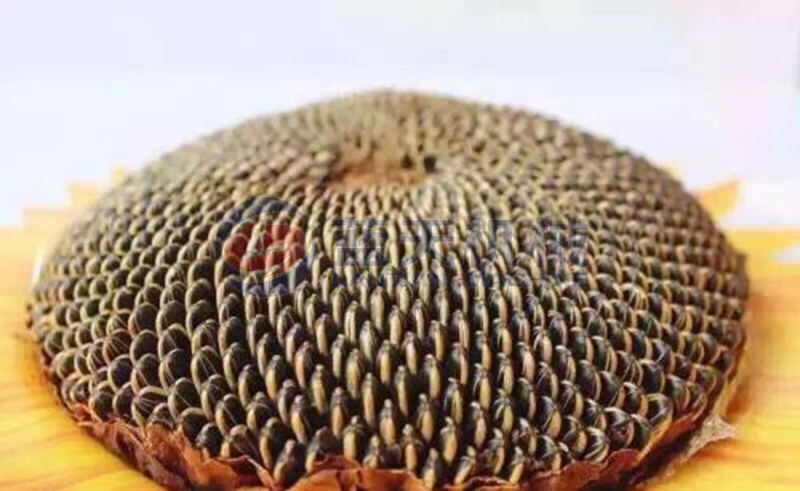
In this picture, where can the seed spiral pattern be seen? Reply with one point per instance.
(569, 299)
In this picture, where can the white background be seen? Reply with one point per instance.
(709, 86)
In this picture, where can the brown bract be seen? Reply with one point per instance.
(169, 459)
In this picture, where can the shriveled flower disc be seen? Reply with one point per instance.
(391, 289)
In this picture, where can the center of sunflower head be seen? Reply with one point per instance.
(374, 149)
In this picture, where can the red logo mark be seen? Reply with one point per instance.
(274, 251)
